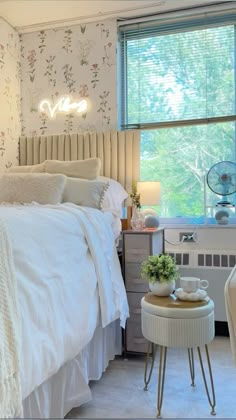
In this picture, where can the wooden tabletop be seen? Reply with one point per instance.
(144, 231)
(173, 302)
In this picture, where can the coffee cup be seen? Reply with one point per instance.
(192, 284)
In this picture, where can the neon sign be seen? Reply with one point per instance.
(63, 104)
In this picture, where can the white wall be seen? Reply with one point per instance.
(79, 61)
(10, 125)
(208, 237)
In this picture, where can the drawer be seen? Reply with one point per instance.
(134, 339)
(133, 241)
(137, 247)
(136, 255)
(133, 280)
(134, 300)
(137, 244)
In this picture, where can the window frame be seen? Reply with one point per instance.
(181, 24)
(213, 19)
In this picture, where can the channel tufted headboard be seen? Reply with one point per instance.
(118, 151)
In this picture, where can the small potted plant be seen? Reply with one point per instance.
(161, 272)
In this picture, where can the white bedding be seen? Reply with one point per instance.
(68, 280)
(69, 387)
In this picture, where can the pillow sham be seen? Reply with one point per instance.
(114, 196)
(86, 169)
(84, 192)
(25, 188)
(40, 167)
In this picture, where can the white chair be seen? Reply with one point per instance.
(230, 306)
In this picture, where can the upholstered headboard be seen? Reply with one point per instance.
(118, 151)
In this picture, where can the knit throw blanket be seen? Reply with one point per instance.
(10, 388)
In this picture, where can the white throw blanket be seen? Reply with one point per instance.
(111, 295)
(10, 389)
(230, 304)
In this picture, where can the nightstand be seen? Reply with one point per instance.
(137, 246)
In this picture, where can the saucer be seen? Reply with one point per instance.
(192, 296)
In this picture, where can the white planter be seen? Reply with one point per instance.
(162, 289)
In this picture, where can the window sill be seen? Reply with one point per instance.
(196, 223)
(196, 226)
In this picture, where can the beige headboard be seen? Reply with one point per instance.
(118, 151)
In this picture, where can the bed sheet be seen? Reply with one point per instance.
(68, 280)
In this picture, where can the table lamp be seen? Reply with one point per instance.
(149, 196)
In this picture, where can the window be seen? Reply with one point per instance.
(178, 87)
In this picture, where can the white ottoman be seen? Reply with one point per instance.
(170, 322)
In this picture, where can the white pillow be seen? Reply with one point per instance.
(25, 188)
(84, 192)
(115, 195)
(87, 169)
(40, 167)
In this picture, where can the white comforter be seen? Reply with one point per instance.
(68, 279)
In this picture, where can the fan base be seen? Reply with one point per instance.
(225, 204)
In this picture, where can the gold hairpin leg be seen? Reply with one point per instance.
(212, 401)
(153, 355)
(191, 365)
(161, 378)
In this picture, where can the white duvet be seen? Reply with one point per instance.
(68, 279)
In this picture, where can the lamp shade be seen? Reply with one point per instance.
(149, 192)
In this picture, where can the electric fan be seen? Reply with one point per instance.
(221, 179)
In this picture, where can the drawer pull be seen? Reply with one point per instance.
(137, 251)
(137, 281)
(135, 258)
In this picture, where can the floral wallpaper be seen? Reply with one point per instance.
(10, 123)
(79, 62)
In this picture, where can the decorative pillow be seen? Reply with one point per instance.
(115, 195)
(84, 192)
(25, 188)
(87, 169)
(29, 168)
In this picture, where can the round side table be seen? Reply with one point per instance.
(169, 322)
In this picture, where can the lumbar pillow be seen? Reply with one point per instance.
(84, 192)
(87, 169)
(25, 188)
(40, 167)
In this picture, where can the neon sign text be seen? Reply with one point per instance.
(64, 104)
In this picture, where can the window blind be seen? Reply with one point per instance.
(178, 71)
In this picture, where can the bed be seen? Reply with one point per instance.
(70, 331)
